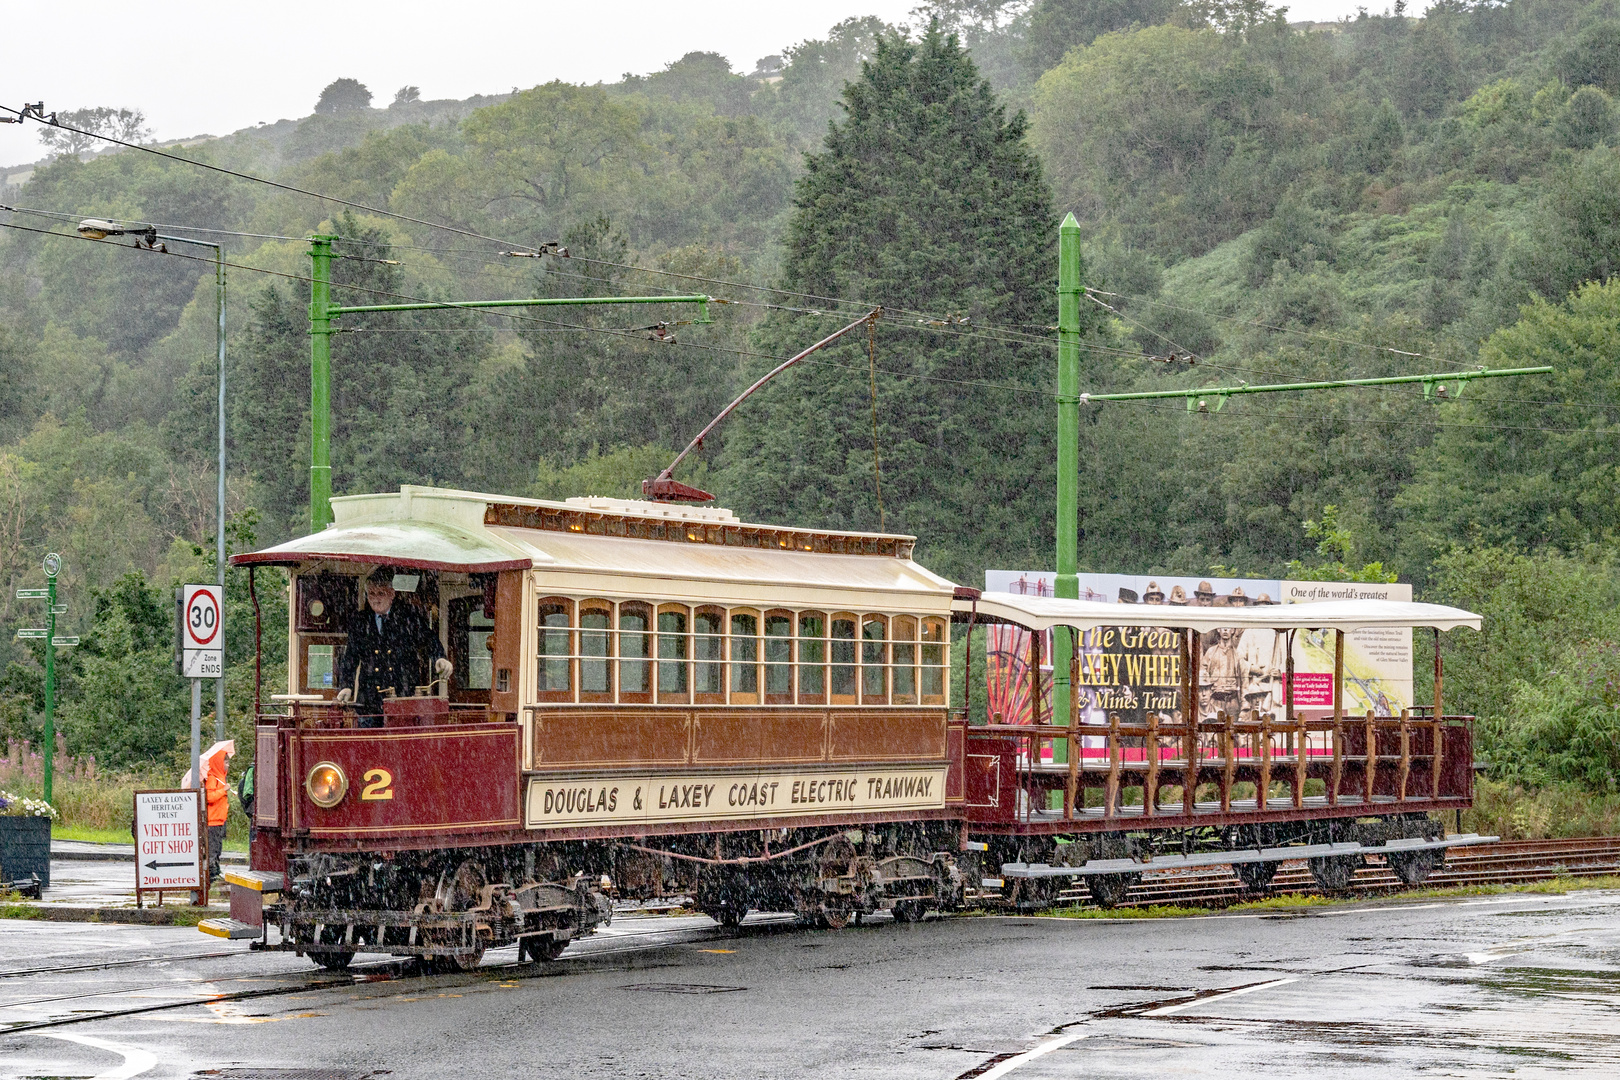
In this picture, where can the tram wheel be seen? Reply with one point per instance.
(1255, 876)
(909, 910)
(834, 916)
(1334, 872)
(333, 961)
(1109, 890)
(540, 949)
(1412, 867)
(726, 915)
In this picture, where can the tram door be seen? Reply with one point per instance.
(471, 628)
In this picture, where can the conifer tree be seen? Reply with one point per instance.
(926, 200)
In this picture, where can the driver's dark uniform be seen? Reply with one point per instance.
(393, 652)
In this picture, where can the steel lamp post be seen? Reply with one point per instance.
(97, 229)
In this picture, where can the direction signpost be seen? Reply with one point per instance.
(53, 641)
(200, 652)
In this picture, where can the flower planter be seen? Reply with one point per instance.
(25, 848)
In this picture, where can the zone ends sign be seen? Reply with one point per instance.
(200, 631)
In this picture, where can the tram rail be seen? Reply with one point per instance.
(1510, 862)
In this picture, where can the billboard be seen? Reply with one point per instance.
(1133, 671)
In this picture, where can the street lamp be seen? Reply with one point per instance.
(99, 229)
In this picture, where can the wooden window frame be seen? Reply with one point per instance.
(743, 697)
(834, 618)
(607, 659)
(903, 635)
(943, 668)
(647, 659)
(766, 664)
(882, 664)
(684, 637)
(708, 697)
(799, 669)
(566, 607)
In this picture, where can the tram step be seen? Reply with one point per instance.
(269, 881)
(229, 928)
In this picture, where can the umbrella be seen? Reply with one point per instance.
(224, 746)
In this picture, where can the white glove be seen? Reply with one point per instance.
(344, 696)
(443, 667)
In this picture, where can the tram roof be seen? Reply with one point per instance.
(436, 528)
(1045, 612)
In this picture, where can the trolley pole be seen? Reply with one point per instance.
(1067, 584)
(320, 383)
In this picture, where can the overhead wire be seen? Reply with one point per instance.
(372, 291)
(53, 122)
(1282, 329)
(981, 384)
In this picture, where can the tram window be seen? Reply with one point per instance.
(933, 662)
(672, 653)
(634, 650)
(553, 682)
(874, 661)
(843, 659)
(595, 669)
(318, 668)
(744, 658)
(812, 657)
(778, 658)
(480, 664)
(709, 651)
(904, 648)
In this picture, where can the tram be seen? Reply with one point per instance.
(648, 699)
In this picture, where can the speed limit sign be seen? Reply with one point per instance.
(201, 631)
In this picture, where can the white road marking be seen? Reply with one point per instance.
(1049, 1044)
(136, 1060)
(1168, 1010)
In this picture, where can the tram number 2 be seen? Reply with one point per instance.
(379, 785)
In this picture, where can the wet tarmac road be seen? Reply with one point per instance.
(1497, 986)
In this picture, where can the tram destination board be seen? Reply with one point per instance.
(199, 631)
(168, 841)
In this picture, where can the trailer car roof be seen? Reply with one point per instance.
(1044, 612)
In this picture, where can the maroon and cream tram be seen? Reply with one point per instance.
(652, 699)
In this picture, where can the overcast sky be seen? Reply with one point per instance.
(210, 68)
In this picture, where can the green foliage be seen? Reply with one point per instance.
(341, 96)
(617, 473)
(926, 198)
(128, 705)
(1056, 26)
(1336, 544)
(1515, 466)
(1593, 58)
(1540, 676)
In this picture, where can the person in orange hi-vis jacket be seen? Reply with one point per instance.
(218, 809)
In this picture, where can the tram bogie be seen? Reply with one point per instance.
(648, 700)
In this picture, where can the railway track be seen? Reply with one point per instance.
(1507, 863)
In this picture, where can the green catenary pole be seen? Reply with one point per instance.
(320, 383)
(50, 680)
(1067, 584)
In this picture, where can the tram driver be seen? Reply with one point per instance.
(390, 650)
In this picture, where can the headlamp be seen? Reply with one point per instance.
(326, 785)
